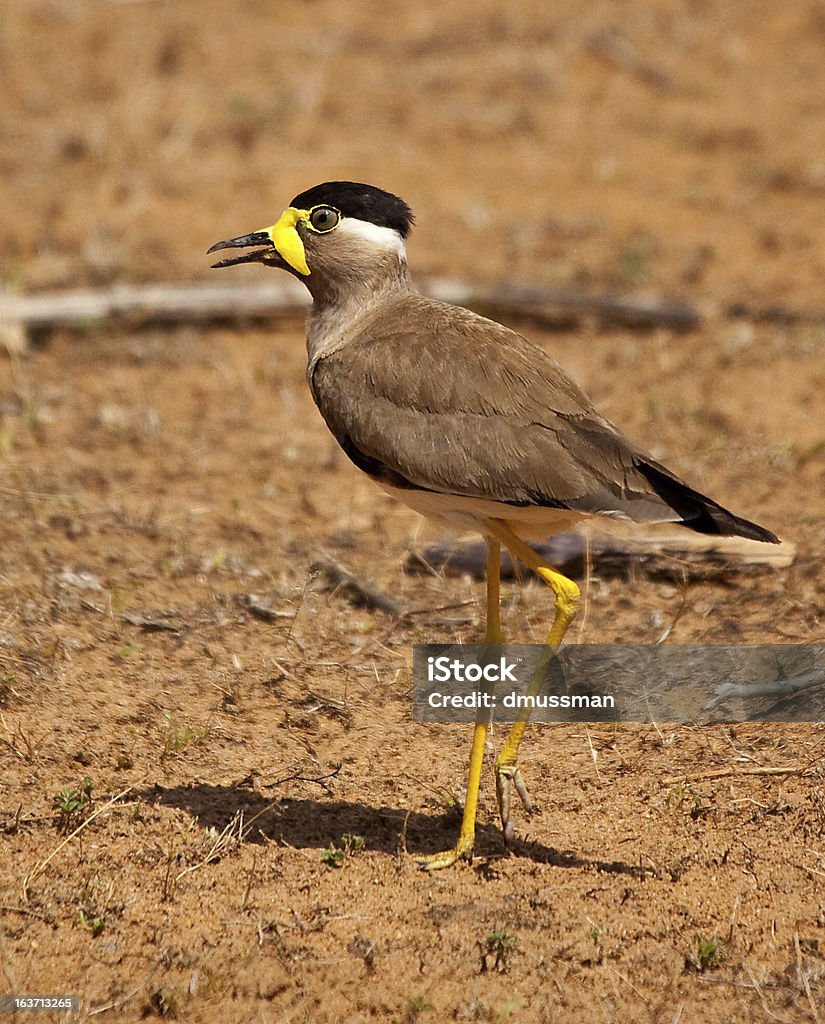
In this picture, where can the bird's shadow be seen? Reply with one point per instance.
(314, 824)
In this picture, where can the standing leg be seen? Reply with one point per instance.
(493, 635)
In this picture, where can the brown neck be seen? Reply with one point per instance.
(364, 282)
(341, 300)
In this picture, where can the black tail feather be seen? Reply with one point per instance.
(699, 512)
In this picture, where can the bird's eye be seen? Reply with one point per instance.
(324, 218)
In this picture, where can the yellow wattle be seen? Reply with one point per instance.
(287, 241)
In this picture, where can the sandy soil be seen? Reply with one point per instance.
(153, 480)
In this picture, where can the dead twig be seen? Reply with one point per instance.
(788, 315)
(232, 835)
(28, 747)
(437, 608)
(320, 780)
(726, 773)
(121, 1001)
(341, 580)
(259, 608)
(152, 624)
(773, 688)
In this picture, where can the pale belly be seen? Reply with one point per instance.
(463, 513)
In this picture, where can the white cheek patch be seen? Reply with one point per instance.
(386, 239)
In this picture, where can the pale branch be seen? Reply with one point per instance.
(681, 555)
(155, 303)
(284, 298)
(772, 688)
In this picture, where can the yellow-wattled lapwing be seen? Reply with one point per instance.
(459, 417)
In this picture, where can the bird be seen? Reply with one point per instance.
(460, 418)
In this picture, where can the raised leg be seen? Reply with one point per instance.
(567, 602)
(493, 635)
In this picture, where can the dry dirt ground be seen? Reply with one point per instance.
(153, 480)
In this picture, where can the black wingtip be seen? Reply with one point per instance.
(717, 520)
(699, 512)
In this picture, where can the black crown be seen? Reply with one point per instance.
(366, 202)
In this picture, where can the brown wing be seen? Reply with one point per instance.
(431, 396)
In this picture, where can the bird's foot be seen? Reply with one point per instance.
(463, 850)
(507, 776)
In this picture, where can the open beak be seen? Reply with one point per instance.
(244, 241)
(284, 245)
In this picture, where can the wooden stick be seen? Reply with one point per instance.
(773, 688)
(567, 307)
(283, 297)
(653, 552)
(341, 580)
(776, 314)
(156, 303)
(725, 773)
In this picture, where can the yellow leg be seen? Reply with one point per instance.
(466, 836)
(567, 602)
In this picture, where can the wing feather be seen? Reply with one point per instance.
(432, 396)
(464, 405)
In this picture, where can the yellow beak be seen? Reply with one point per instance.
(281, 239)
(287, 241)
